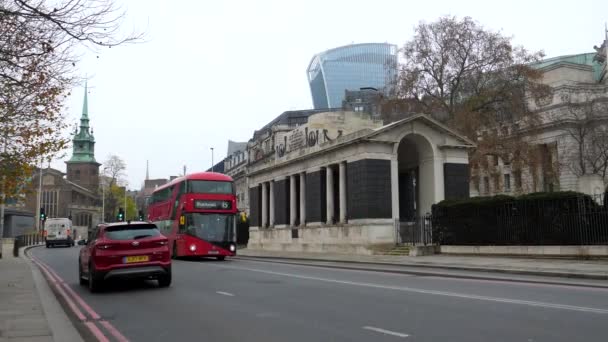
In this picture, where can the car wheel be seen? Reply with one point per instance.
(221, 258)
(165, 280)
(80, 278)
(47, 245)
(94, 280)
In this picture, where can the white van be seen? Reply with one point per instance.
(58, 231)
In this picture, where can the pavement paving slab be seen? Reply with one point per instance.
(572, 268)
(29, 310)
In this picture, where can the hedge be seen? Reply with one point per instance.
(555, 218)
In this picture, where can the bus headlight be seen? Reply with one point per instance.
(192, 248)
(232, 248)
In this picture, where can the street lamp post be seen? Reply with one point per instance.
(103, 203)
(212, 164)
(103, 195)
(2, 199)
(39, 202)
(126, 211)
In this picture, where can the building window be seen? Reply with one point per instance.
(507, 182)
(486, 184)
(77, 175)
(517, 176)
(50, 203)
(496, 180)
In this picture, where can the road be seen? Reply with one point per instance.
(245, 300)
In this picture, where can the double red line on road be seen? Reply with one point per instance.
(73, 301)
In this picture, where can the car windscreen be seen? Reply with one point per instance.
(131, 232)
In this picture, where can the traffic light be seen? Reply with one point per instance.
(121, 215)
(141, 215)
(42, 214)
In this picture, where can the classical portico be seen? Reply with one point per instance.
(342, 181)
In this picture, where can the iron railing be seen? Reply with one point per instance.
(25, 240)
(418, 231)
(580, 220)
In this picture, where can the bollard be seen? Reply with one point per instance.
(16, 247)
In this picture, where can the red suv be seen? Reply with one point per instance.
(124, 250)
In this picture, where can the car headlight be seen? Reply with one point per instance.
(232, 247)
(192, 248)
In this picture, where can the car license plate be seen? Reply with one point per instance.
(136, 258)
(214, 252)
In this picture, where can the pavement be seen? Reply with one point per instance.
(546, 267)
(262, 300)
(28, 308)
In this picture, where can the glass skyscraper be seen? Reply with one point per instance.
(350, 67)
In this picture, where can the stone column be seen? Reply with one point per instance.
(343, 192)
(395, 187)
(329, 183)
(303, 199)
(293, 209)
(271, 196)
(264, 204)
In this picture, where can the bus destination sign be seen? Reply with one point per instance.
(209, 204)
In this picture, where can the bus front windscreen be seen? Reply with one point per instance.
(210, 227)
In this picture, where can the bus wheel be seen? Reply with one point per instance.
(221, 258)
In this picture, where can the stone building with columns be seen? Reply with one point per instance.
(341, 181)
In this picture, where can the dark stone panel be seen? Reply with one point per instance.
(456, 180)
(255, 210)
(315, 197)
(369, 189)
(281, 202)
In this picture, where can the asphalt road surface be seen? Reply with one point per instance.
(245, 300)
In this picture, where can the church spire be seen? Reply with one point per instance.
(147, 170)
(85, 105)
(84, 142)
(84, 119)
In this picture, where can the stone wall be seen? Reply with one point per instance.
(354, 238)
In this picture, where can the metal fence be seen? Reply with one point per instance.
(415, 232)
(580, 220)
(27, 240)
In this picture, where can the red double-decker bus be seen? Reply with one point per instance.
(197, 213)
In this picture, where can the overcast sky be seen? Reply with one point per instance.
(217, 70)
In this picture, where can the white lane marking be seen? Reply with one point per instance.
(225, 293)
(387, 332)
(431, 292)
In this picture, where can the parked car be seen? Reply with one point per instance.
(82, 242)
(124, 250)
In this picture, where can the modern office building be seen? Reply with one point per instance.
(350, 67)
